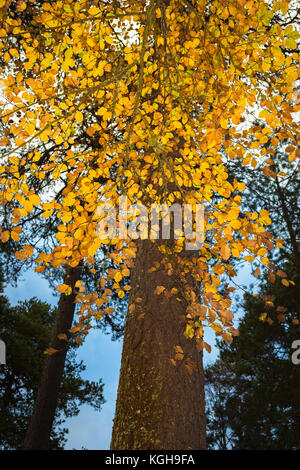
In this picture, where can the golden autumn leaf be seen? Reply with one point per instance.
(109, 310)
(225, 252)
(79, 117)
(64, 289)
(62, 336)
(227, 338)
(5, 236)
(20, 255)
(118, 276)
(256, 272)
(28, 250)
(131, 308)
(50, 351)
(159, 289)
(281, 317)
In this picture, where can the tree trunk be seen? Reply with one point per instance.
(289, 224)
(38, 432)
(159, 406)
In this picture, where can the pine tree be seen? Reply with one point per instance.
(26, 330)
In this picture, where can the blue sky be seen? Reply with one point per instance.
(102, 357)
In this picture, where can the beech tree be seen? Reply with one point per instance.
(166, 88)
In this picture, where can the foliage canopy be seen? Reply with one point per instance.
(145, 99)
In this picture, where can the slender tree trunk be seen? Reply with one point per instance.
(159, 406)
(38, 432)
(289, 224)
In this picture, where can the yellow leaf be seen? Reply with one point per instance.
(34, 199)
(79, 117)
(284, 7)
(118, 276)
(236, 224)
(94, 247)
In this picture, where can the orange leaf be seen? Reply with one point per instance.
(5, 236)
(225, 252)
(131, 308)
(62, 336)
(281, 317)
(28, 250)
(20, 255)
(256, 272)
(50, 351)
(64, 289)
(159, 290)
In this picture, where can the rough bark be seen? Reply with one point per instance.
(38, 433)
(159, 406)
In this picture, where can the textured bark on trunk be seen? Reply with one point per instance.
(159, 406)
(38, 432)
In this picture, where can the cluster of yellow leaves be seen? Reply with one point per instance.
(162, 91)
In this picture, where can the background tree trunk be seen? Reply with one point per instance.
(159, 406)
(38, 433)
